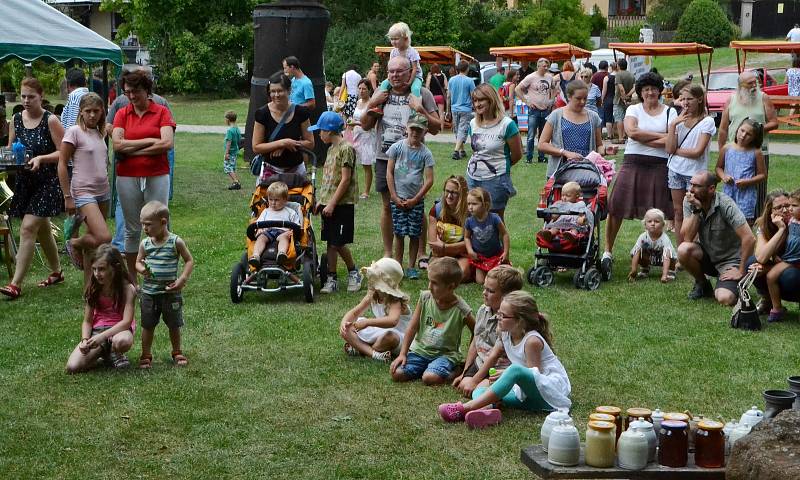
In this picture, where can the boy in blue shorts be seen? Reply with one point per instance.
(409, 176)
(431, 347)
(336, 198)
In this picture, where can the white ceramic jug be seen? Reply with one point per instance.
(752, 416)
(564, 446)
(550, 422)
(632, 450)
(650, 434)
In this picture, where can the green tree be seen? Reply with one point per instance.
(705, 22)
(552, 21)
(195, 44)
(667, 13)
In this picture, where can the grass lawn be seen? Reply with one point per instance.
(192, 110)
(268, 392)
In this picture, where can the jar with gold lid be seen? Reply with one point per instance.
(616, 412)
(600, 442)
(709, 444)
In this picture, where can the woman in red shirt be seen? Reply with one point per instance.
(143, 134)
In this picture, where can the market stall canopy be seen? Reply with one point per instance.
(762, 46)
(31, 30)
(555, 52)
(660, 49)
(443, 55)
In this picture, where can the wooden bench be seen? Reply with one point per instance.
(535, 458)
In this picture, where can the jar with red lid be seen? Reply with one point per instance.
(709, 444)
(673, 448)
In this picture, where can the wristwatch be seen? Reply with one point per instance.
(697, 211)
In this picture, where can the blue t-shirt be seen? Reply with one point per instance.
(302, 90)
(461, 87)
(791, 254)
(485, 235)
(409, 167)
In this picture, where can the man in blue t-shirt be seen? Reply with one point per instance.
(302, 88)
(460, 101)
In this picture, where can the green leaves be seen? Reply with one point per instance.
(705, 22)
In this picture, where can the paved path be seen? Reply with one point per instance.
(775, 148)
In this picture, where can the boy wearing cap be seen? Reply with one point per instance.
(336, 199)
(409, 176)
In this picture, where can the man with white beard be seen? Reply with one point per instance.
(749, 102)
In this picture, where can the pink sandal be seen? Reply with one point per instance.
(483, 417)
(452, 412)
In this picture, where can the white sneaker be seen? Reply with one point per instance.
(354, 281)
(385, 357)
(331, 285)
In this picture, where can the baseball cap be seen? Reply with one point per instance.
(415, 120)
(329, 121)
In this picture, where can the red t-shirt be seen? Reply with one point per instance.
(136, 128)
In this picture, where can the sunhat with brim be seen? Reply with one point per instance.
(554, 68)
(384, 275)
(328, 121)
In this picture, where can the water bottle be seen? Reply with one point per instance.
(19, 152)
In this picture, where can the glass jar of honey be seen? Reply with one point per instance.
(632, 414)
(616, 412)
(709, 444)
(673, 448)
(600, 443)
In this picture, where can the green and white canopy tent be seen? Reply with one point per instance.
(32, 30)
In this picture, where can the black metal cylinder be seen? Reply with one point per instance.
(282, 29)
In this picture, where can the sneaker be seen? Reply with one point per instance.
(350, 351)
(483, 417)
(118, 360)
(606, 261)
(384, 357)
(542, 160)
(452, 412)
(776, 315)
(455, 156)
(700, 290)
(254, 262)
(281, 257)
(462, 154)
(331, 285)
(412, 274)
(354, 281)
(235, 186)
(529, 161)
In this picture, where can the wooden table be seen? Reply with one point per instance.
(536, 459)
(789, 119)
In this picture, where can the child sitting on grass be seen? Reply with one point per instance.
(108, 324)
(381, 335)
(500, 281)
(277, 196)
(336, 198)
(485, 235)
(536, 379)
(568, 227)
(431, 347)
(790, 257)
(653, 247)
(232, 138)
(161, 295)
(409, 176)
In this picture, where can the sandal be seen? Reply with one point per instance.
(423, 263)
(669, 278)
(12, 291)
(179, 359)
(145, 362)
(52, 279)
(351, 351)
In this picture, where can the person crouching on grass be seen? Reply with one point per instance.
(409, 176)
(431, 347)
(336, 199)
(157, 262)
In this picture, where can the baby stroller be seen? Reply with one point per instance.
(582, 254)
(300, 270)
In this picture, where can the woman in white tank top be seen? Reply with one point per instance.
(536, 379)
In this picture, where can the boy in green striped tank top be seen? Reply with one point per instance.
(161, 296)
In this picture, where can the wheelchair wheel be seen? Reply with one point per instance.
(591, 279)
(237, 280)
(309, 289)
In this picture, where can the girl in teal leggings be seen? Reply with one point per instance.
(536, 379)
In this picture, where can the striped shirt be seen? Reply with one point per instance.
(162, 261)
(69, 116)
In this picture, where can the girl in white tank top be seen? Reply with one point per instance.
(536, 379)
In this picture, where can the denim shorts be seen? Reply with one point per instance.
(416, 365)
(676, 181)
(500, 188)
(84, 200)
